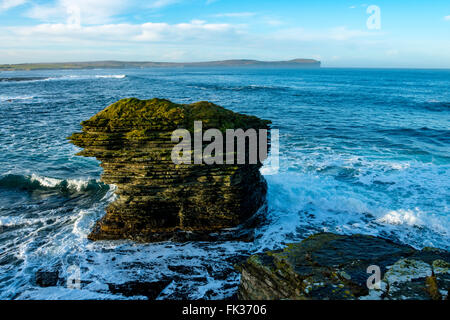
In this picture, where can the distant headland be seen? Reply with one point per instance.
(296, 63)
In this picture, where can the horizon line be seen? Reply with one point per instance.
(299, 61)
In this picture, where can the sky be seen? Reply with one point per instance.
(383, 33)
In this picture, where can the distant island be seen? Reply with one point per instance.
(296, 63)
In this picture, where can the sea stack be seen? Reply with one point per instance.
(158, 199)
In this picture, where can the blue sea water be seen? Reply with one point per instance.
(361, 151)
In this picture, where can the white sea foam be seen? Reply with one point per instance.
(14, 98)
(46, 181)
(85, 219)
(299, 204)
(305, 202)
(8, 221)
(397, 217)
(75, 184)
(70, 78)
(111, 76)
(63, 293)
(86, 77)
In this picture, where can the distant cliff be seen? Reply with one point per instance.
(296, 63)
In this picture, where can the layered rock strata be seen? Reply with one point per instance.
(158, 199)
(337, 267)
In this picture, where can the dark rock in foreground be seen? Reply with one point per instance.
(158, 199)
(330, 266)
(47, 278)
(151, 290)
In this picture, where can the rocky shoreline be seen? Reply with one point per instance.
(328, 266)
(324, 266)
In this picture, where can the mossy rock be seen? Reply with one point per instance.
(138, 116)
(331, 266)
(158, 199)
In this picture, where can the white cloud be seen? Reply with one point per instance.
(190, 33)
(89, 11)
(335, 34)
(162, 3)
(147, 32)
(447, 18)
(92, 30)
(235, 14)
(392, 52)
(343, 33)
(184, 31)
(8, 4)
(265, 19)
(274, 22)
(189, 41)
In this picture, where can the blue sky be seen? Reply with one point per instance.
(404, 34)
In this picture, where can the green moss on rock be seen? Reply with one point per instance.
(331, 266)
(157, 199)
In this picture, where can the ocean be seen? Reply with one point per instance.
(361, 151)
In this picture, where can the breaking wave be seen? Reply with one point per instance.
(63, 78)
(87, 77)
(21, 79)
(112, 76)
(14, 98)
(35, 182)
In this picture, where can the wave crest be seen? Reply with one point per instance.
(36, 182)
(111, 76)
(14, 98)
